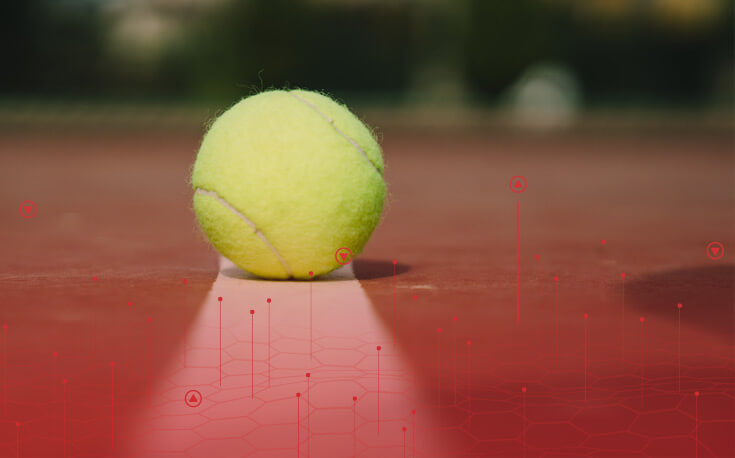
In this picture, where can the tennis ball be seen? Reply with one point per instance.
(284, 179)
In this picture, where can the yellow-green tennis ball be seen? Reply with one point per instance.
(283, 179)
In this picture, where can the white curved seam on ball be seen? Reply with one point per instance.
(331, 121)
(249, 223)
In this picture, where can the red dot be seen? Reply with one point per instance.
(469, 342)
(413, 412)
(298, 395)
(395, 261)
(378, 347)
(112, 363)
(679, 305)
(604, 241)
(268, 300)
(17, 423)
(130, 304)
(354, 398)
(585, 316)
(439, 330)
(311, 274)
(219, 298)
(415, 297)
(622, 275)
(556, 278)
(308, 374)
(696, 393)
(56, 353)
(5, 326)
(150, 319)
(537, 256)
(454, 318)
(94, 278)
(252, 312)
(184, 281)
(643, 319)
(523, 389)
(63, 381)
(404, 428)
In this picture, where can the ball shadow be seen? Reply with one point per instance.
(364, 269)
(705, 292)
(371, 269)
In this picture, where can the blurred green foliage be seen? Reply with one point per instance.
(380, 50)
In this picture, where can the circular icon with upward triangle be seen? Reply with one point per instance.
(715, 250)
(343, 256)
(518, 184)
(193, 398)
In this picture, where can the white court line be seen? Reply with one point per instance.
(346, 330)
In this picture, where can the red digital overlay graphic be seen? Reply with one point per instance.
(518, 184)
(193, 398)
(715, 250)
(343, 256)
(27, 209)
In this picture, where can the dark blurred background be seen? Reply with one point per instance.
(539, 62)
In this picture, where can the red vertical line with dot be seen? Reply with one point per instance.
(150, 362)
(454, 357)
(220, 340)
(469, 383)
(5, 369)
(94, 320)
(354, 426)
(404, 441)
(622, 321)
(523, 421)
(130, 346)
(186, 344)
(298, 424)
(696, 424)
(643, 319)
(17, 439)
(56, 391)
(308, 414)
(678, 345)
(537, 301)
(415, 347)
(63, 414)
(112, 410)
(439, 371)
(395, 305)
(252, 354)
(269, 341)
(586, 349)
(413, 433)
(311, 315)
(378, 348)
(602, 282)
(556, 321)
(518, 261)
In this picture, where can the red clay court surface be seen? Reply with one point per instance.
(116, 207)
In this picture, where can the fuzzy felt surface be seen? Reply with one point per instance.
(285, 178)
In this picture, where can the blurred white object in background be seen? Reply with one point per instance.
(545, 97)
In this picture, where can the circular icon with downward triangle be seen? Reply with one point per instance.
(343, 256)
(518, 184)
(193, 398)
(27, 209)
(715, 250)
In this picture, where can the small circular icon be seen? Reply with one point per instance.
(27, 209)
(193, 398)
(343, 256)
(518, 184)
(715, 250)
